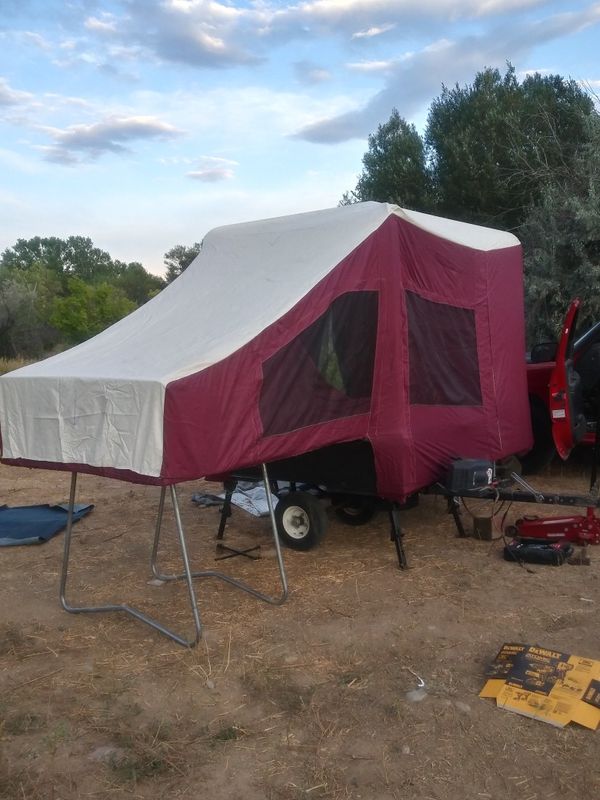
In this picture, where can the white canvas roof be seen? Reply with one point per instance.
(101, 403)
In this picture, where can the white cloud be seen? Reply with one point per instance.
(63, 100)
(12, 97)
(209, 33)
(212, 169)
(198, 33)
(526, 73)
(309, 73)
(242, 116)
(374, 31)
(373, 17)
(176, 161)
(85, 142)
(414, 80)
(211, 174)
(36, 39)
(372, 66)
(485, 7)
(106, 25)
(219, 161)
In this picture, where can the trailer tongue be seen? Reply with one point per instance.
(568, 428)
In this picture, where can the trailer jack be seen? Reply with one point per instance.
(580, 529)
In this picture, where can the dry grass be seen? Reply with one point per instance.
(10, 364)
(309, 700)
(19, 783)
(12, 639)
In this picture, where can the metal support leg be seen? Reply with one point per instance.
(454, 510)
(396, 536)
(226, 510)
(273, 600)
(125, 608)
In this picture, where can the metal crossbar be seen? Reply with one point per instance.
(186, 575)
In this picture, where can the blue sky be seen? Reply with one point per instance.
(144, 123)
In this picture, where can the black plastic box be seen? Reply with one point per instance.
(466, 474)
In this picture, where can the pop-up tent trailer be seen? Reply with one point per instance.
(366, 324)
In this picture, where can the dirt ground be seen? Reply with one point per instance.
(314, 699)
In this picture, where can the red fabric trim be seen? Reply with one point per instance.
(106, 472)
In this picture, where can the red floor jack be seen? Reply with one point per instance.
(577, 529)
(580, 529)
(544, 540)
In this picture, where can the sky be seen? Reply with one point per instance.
(142, 124)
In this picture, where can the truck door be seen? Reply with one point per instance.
(566, 402)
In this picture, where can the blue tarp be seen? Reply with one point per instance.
(35, 524)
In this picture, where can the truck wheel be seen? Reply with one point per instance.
(543, 450)
(301, 520)
(356, 510)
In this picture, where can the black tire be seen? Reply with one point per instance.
(356, 510)
(543, 450)
(301, 520)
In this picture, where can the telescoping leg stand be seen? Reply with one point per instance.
(187, 575)
(396, 536)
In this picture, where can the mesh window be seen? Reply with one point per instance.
(444, 368)
(326, 372)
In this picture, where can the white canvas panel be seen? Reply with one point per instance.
(245, 278)
(101, 423)
(463, 233)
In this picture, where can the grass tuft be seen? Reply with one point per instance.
(9, 364)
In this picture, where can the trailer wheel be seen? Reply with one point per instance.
(301, 520)
(356, 510)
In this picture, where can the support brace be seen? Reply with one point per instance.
(210, 573)
(231, 552)
(396, 535)
(186, 575)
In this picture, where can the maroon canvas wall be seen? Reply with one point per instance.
(446, 379)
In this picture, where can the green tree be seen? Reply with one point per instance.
(138, 284)
(75, 256)
(27, 252)
(394, 167)
(494, 144)
(26, 299)
(17, 311)
(561, 242)
(42, 270)
(178, 259)
(87, 309)
(518, 156)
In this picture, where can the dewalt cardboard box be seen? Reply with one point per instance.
(545, 684)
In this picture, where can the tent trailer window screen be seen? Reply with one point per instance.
(326, 372)
(442, 342)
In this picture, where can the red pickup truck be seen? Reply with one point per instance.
(564, 392)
